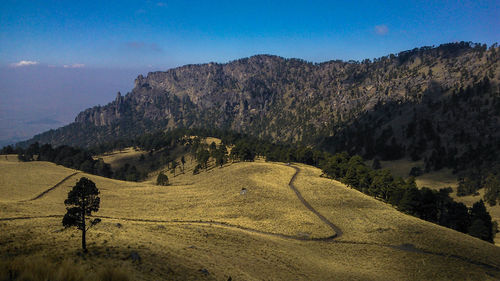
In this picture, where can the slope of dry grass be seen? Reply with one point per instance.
(23, 181)
(378, 243)
(118, 158)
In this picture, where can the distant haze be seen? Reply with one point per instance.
(37, 98)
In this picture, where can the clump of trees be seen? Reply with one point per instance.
(203, 153)
(243, 151)
(129, 172)
(82, 200)
(66, 156)
(77, 158)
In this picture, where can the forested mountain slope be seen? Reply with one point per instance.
(423, 103)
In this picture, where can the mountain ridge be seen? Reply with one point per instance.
(283, 99)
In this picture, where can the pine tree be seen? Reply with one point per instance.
(410, 203)
(84, 200)
(481, 225)
(351, 177)
(492, 189)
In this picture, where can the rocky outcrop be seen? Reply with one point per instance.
(285, 99)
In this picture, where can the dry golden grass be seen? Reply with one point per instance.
(207, 196)
(171, 250)
(118, 158)
(354, 212)
(209, 140)
(23, 181)
(38, 268)
(399, 168)
(131, 156)
(438, 179)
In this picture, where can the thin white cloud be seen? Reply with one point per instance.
(381, 29)
(161, 4)
(76, 65)
(23, 63)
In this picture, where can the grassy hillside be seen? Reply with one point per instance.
(202, 228)
(23, 181)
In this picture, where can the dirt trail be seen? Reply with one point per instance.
(336, 229)
(50, 189)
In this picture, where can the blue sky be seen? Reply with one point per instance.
(108, 43)
(167, 33)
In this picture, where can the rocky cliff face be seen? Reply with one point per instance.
(284, 99)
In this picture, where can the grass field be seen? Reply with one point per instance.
(202, 228)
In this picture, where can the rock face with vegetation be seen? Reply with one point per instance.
(423, 103)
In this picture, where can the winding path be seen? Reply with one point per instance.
(336, 229)
(329, 239)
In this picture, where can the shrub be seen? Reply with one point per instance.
(162, 179)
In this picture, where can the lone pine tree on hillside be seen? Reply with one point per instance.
(83, 199)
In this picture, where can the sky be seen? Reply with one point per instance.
(60, 57)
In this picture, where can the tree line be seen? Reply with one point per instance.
(67, 156)
(75, 158)
(427, 204)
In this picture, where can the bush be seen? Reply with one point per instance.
(162, 179)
